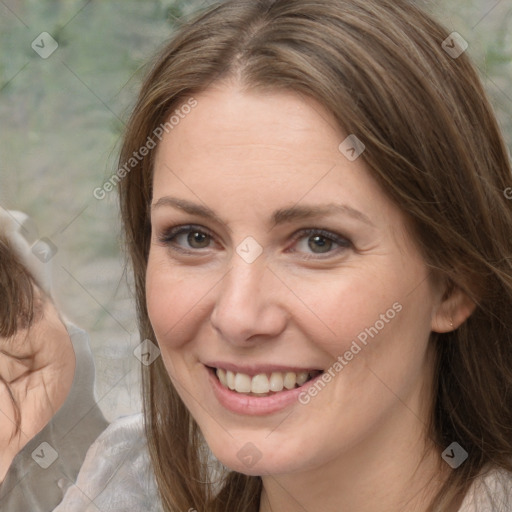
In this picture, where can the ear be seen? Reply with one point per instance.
(453, 310)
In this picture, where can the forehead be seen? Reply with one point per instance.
(261, 149)
(229, 121)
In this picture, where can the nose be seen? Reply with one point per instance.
(248, 306)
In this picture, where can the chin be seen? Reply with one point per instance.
(250, 460)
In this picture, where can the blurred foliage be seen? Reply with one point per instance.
(487, 26)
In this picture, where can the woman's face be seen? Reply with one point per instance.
(273, 257)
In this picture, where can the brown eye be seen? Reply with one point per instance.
(186, 238)
(319, 244)
(198, 239)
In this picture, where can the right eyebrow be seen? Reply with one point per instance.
(188, 207)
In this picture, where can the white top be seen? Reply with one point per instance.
(117, 477)
(490, 493)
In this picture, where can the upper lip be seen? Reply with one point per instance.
(255, 369)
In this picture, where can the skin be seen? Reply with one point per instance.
(39, 366)
(245, 154)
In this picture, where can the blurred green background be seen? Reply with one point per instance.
(61, 120)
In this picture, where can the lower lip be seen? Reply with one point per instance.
(253, 405)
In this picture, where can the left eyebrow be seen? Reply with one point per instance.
(280, 216)
(284, 215)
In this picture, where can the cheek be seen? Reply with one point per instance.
(369, 314)
(174, 301)
(338, 308)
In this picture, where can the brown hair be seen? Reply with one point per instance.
(18, 307)
(432, 143)
(17, 291)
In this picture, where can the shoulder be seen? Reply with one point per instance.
(126, 434)
(116, 474)
(491, 492)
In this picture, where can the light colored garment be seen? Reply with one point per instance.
(116, 475)
(490, 493)
(30, 487)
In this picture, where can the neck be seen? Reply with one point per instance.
(387, 485)
(396, 468)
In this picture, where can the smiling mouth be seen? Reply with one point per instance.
(262, 384)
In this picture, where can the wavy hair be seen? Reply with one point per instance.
(19, 308)
(434, 146)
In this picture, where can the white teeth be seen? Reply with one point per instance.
(262, 384)
(230, 377)
(242, 383)
(222, 377)
(302, 377)
(289, 380)
(276, 381)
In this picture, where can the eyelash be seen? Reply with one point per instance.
(168, 237)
